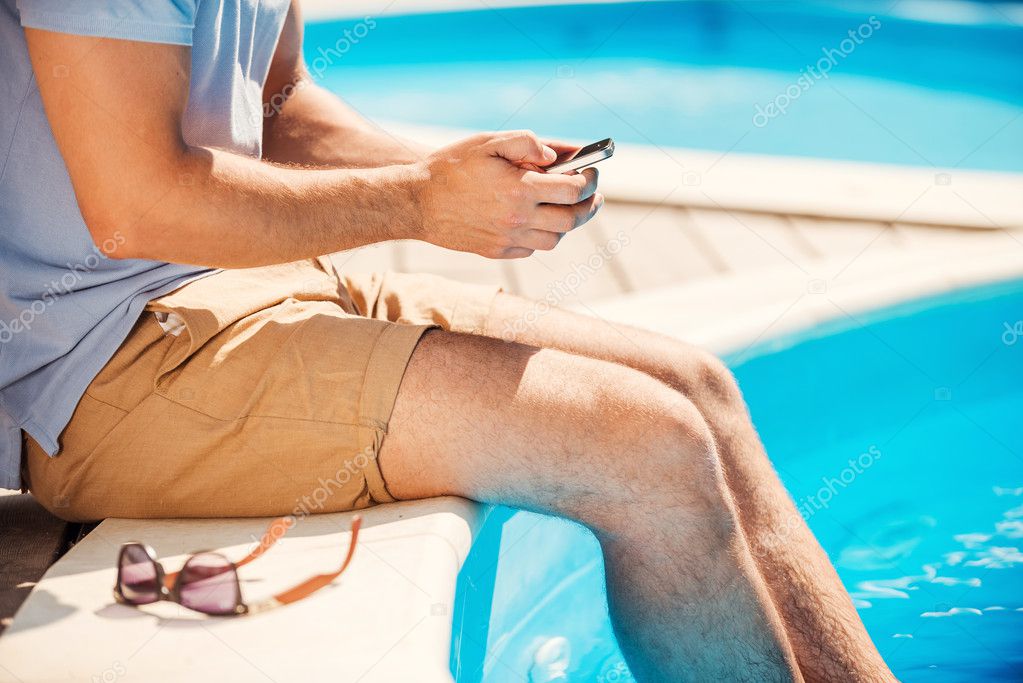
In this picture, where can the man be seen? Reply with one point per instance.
(139, 381)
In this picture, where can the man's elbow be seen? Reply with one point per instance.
(130, 211)
(113, 233)
(133, 218)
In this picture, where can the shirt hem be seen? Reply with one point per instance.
(108, 27)
(10, 456)
(75, 385)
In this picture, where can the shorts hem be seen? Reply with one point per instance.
(384, 372)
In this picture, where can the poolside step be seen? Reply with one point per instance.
(729, 314)
(388, 618)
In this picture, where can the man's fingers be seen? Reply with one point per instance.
(549, 225)
(557, 218)
(561, 202)
(522, 147)
(559, 146)
(516, 252)
(561, 188)
(539, 240)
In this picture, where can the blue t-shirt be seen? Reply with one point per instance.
(64, 307)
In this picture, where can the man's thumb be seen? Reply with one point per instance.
(524, 147)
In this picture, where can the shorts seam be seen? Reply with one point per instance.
(106, 403)
(262, 416)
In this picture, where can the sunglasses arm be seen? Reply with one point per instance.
(310, 586)
(273, 533)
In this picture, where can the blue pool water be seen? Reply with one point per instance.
(926, 82)
(925, 526)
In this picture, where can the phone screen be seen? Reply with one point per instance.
(588, 149)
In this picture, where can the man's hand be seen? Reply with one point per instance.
(481, 196)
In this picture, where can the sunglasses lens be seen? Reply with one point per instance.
(208, 584)
(138, 577)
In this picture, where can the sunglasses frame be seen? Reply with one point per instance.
(170, 582)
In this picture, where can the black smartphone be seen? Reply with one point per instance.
(587, 156)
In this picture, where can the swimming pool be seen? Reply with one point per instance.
(920, 82)
(902, 443)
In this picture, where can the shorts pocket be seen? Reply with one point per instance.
(249, 368)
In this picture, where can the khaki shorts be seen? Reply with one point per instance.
(273, 398)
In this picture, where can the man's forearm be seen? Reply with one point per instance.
(310, 126)
(225, 210)
(136, 178)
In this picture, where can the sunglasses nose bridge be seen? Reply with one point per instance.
(161, 574)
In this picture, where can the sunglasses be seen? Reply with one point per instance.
(208, 581)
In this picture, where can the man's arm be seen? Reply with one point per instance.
(115, 108)
(308, 125)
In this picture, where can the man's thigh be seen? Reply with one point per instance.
(509, 423)
(682, 365)
(697, 374)
(483, 310)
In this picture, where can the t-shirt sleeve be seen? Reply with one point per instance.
(153, 21)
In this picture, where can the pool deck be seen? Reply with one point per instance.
(641, 246)
(708, 265)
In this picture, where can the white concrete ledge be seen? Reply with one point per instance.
(323, 10)
(921, 11)
(388, 618)
(816, 187)
(728, 315)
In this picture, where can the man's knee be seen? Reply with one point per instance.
(683, 445)
(667, 460)
(707, 381)
(690, 467)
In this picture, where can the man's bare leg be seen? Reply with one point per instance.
(617, 450)
(827, 635)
